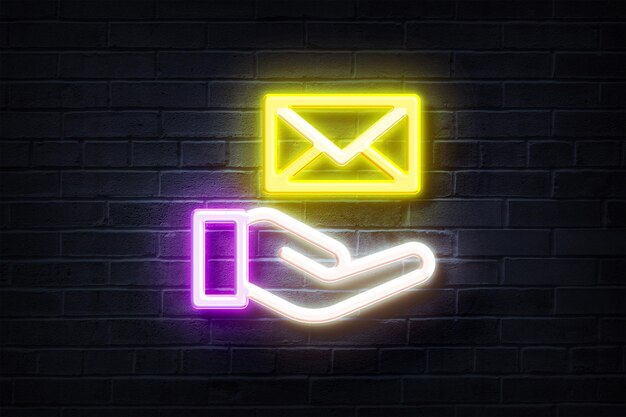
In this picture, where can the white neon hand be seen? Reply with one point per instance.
(344, 268)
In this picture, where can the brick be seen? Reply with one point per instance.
(208, 154)
(581, 65)
(518, 9)
(30, 303)
(15, 125)
(497, 360)
(354, 35)
(61, 362)
(158, 332)
(107, 65)
(66, 95)
(503, 154)
(522, 184)
(111, 124)
(157, 154)
(453, 331)
(581, 410)
(109, 303)
(243, 155)
(402, 361)
(158, 35)
(107, 362)
(161, 95)
(355, 391)
(450, 360)
(548, 331)
(612, 36)
(590, 301)
(596, 360)
(57, 214)
(612, 271)
(140, 214)
(150, 273)
(589, 184)
(505, 302)
(205, 65)
(303, 361)
(589, 124)
(361, 333)
(577, 9)
(450, 389)
(590, 242)
(29, 184)
(344, 214)
(455, 155)
(54, 332)
(206, 361)
(235, 94)
(16, 362)
(613, 95)
(452, 35)
(256, 35)
(208, 184)
(446, 95)
(402, 64)
(14, 154)
(105, 154)
(198, 9)
(175, 244)
(550, 36)
(270, 9)
(500, 410)
(247, 332)
(253, 361)
(503, 243)
(466, 273)
(59, 154)
(598, 153)
(157, 361)
(613, 330)
(545, 360)
(355, 361)
(20, 245)
(210, 124)
(109, 244)
(51, 35)
(28, 65)
(542, 94)
(112, 9)
(93, 184)
(61, 391)
(616, 214)
(28, 9)
(502, 65)
(549, 272)
(303, 65)
(59, 274)
(550, 154)
(567, 389)
(554, 213)
(503, 124)
(441, 243)
(156, 391)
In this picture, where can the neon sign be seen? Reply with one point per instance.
(345, 267)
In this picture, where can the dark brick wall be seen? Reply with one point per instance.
(121, 117)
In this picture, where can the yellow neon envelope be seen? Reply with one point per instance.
(283, 108)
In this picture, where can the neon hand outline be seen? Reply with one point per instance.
(344, 268)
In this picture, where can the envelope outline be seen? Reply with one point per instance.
(403, 106)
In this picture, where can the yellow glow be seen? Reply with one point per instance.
(286, 182)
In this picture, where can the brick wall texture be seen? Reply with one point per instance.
(121, 117)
